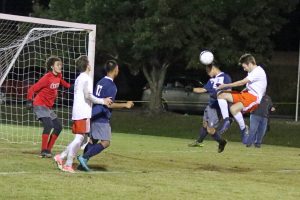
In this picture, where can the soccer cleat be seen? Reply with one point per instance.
(66, 168)
(196, 144)
(58, 161)
(83, 162)
(257, 145)
(45, 154)
(245, 134)
(226, 124)
(222, 145)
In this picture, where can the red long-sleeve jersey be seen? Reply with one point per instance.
(46, 90)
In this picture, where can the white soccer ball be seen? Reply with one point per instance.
(206, 57)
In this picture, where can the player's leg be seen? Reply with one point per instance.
(44, 115)
(235, 110)
(47, 125)
(212, 125)
(99, 132)
(223, 99)
(57, 128)
(73, 150)
(261, 131)
(202, 132)
(254, 123)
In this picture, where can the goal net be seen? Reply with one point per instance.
(25, 44)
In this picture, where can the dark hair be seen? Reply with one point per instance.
(50, 62)
(110, 65)
(82, 62)
(247, 58)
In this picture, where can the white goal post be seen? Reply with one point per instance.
(25, 43)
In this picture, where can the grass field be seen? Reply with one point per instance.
(142, 165)
(152, 167)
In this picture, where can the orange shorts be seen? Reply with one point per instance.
(248, 100)
(81, 126)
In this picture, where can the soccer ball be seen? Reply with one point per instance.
(206, 57)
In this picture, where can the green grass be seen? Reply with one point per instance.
(152, 167)
(140, 164)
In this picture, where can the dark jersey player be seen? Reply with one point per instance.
(100, 134)
(41, 96)
(212, 110)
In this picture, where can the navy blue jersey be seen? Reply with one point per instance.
(211, 87)
(104, 88)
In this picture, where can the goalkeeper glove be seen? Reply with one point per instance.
(29, 104)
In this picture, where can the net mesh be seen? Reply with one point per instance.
(24, 48)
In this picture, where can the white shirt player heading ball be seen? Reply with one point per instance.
(206, 57)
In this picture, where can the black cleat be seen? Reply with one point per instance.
(45, 154)
(222, 145)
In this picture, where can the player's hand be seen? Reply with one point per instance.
(29, 104)
(107, 101)
(129, 104)
(221, 86)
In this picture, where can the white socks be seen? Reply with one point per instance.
(224, 107)
(240, 120)
(72, 149)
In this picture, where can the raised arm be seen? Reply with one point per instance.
(234, 84)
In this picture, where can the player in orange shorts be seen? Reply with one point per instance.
(81, 114)
(245, 101)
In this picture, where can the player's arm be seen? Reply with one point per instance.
(128, 104)
(199, 90)
(65, 83)
(95, 100)
(37, 87)
(234, 84)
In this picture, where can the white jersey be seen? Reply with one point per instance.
(258, 82)
(82, 107)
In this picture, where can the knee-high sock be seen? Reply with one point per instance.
(240, 120)
(74, 148)
(202, 134)
(224, 107)
(217, 137)
(45, 138)
(94, 150)
(52, 140)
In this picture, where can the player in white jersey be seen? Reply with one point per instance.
(247, 100)
(81, 113)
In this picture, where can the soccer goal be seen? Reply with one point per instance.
(25, 44)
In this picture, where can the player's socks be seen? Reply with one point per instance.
(217, 137)
(45, 137)
(94, 150)
(224, 108)
(87, 147)
(240, 120)
(202, 134)
(51, 142)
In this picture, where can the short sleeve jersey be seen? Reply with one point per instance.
(258, 82)
(82, 107)
(104, 88)
(211, 87)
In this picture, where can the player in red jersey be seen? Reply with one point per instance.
(41, 96)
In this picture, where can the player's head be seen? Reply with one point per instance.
(212, 70)
(111, 68)
(82, 63)
(247, 61)
(54, 64)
